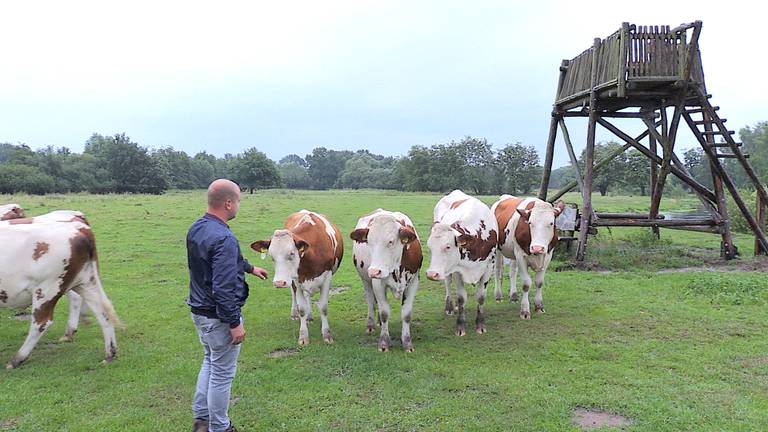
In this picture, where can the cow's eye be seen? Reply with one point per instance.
(551, 224)
(390, 243)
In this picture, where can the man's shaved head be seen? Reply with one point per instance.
(221, 190)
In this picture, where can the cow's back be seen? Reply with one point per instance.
(468, 215)
(326, 244)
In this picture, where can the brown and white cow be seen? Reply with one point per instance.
(387, 254)
(11, 211)
(527, 237)
(41, 261)
(306, 255)
(77, 310)
(462, 244)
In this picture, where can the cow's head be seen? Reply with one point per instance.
(445, 243)
(386, 238)
(541, 223)
(286, 250)
(11, 211)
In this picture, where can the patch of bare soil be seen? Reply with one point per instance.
(283, 352)
(337, 290)
(752, 264)
(8, 423)
(588, 418)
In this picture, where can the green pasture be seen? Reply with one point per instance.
(670, 350)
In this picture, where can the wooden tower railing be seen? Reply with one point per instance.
(643, 72)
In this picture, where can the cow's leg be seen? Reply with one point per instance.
(499, 273)
(325, 289)
(480, 295)
(308, 298)
(525, 307)
(75, 304)
(93, 293)
(304, 307)
(380, 292)
(513, 280)
(294, 307)
(448, 303)
(371, 300)
(405, 313)
(43, 303)
(539, 300)
(461, 300)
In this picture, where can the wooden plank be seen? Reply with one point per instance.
(549, 157)
(761, 220)
(654, 223)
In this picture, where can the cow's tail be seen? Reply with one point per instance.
(110, 310)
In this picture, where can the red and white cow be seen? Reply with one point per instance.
(306, 255)
(527, 237)
(387, 254)
(41, 261)
(11, 211)
(462, 244)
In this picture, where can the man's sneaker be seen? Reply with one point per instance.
(231, 428)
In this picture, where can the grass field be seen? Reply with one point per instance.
(672, 350)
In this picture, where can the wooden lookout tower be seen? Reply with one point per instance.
(644, 73)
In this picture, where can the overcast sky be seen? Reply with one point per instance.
(289, 76)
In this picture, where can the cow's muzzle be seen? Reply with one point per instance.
(538, 250)
(279, 283)
(435, 276)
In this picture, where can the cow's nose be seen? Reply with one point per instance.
(374, 272)
(280, 283)
(432, 275)
(537, 250)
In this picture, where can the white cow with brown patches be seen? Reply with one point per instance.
(463, 248)
(528, 238)
(44, 259)
(387, 254)
(306, 255)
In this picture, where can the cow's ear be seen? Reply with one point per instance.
(301, 246)
(524, 213)
(406, 235)
(559, 207)
(359, 235)
(462, 240)
(261, 246)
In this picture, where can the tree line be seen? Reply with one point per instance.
(116, 164)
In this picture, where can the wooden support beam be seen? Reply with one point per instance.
(761, 216)
(584, 113)
(656, 222)
(690, 181)
(548, 158)
(608, 215)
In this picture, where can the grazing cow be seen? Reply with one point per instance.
(306, 255)
(527, 237)
(463, 245)
(387, 254)
(41, 261)
(11, 211)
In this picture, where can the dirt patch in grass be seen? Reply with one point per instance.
(588, 418)
(283, 352)
(337, 290)
(8, 423)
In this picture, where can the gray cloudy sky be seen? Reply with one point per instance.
(289, 76)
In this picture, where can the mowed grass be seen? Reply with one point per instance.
(672, 351)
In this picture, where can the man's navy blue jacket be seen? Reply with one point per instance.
(217, 287)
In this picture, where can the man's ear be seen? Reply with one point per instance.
(301, 245)
(261, 246)
(406, 235)
(359, 235)
(524, 213)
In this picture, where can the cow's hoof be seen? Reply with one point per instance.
(540, 309)
(407, 345)
(384, 344)
(461, 332)
(526, 315)
(294, 317)
(369, 330)
(449, 312)
(66, 338)
(14, 363)
(513, 297)
(303, 341)
(310, 319)
(327, 338)
(9, 366)
(480, 330)
(448, 307)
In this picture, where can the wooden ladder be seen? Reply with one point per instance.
(713, 126)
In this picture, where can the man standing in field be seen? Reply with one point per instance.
(217, 291)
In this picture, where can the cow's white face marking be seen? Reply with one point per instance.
(286, 256)
(386, 246)
(444, 250)
(542, 223)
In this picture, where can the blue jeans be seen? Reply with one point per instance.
(211, 400)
